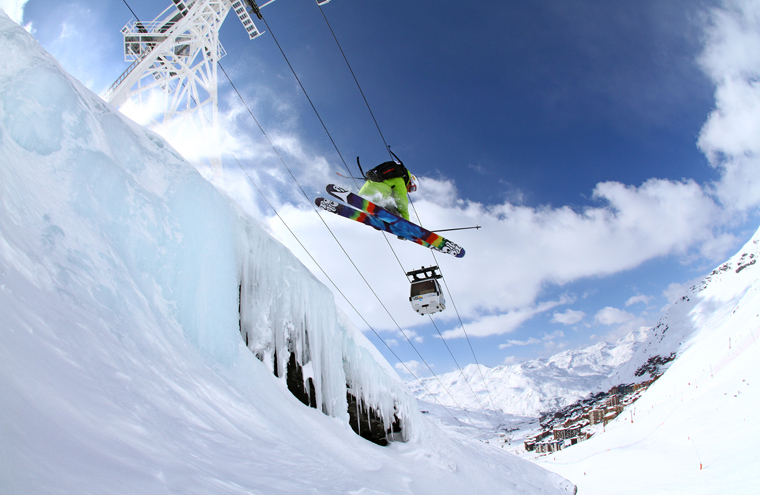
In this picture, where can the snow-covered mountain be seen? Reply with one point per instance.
(145, 320)
(533, 387)
(549, 384)
(716, 296)
(695, 429)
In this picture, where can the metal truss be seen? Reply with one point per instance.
(175, 58)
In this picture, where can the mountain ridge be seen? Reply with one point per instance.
(533, 387)
(544, 385)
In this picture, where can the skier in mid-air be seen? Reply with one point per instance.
(388, 185)
(383, 204)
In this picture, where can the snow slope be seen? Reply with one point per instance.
(533, 387)
(695, 430)
(122, 367)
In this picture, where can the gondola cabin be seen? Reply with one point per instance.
(425, 294)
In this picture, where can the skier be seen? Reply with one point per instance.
(388, 185)
(362, 210)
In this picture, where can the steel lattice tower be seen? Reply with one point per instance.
(175, 57)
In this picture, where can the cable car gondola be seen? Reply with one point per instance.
(425, 293)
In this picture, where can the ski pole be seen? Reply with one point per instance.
(461, 228)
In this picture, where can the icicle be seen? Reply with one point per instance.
(284, 309)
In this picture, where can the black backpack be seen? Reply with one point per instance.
(386, 170)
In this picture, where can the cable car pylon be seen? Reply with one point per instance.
(174, 60)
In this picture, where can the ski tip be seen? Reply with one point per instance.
(326, 205)
(461, 254)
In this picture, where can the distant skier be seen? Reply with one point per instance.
(388, 185)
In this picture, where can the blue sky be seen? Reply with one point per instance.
(583, 137)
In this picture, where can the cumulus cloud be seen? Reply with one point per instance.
(518, 251)
(504, 323)
(622, 322)
(613, 316)
(568, 317)
(729, 137)
(641, 298)
(14, 9)
(512, 360)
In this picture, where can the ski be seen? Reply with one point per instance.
(435, 241)
(365, 218)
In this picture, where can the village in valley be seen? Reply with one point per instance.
(583, 419)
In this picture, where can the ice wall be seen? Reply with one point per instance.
(285, 310)
(122, 222)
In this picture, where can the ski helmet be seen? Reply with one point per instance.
(412, 185)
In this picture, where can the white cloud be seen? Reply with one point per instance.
(641, 298)
(675, 291)
(512, 360)
(513, 257)
(504, 323)
(729, 137)
(519, 343)
(91, 62)
(613, 316)
(622, 322)
(546, 339)
(14, 9)
(415, 367)
(439, 192)
(569, 317)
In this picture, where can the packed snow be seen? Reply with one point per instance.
(123, 364)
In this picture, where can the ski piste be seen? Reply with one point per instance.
(365, 218)
(410, 230)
